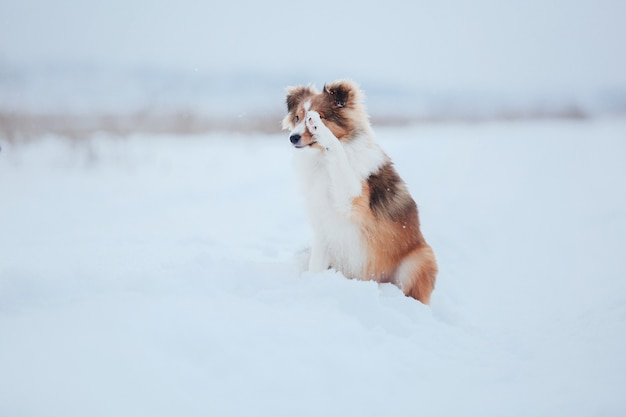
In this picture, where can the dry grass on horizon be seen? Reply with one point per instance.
(22, 126)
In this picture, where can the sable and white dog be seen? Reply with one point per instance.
(364, 220)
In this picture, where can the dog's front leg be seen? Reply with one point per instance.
(319, 260)
(345, 183)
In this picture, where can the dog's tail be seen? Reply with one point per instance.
(417, 273)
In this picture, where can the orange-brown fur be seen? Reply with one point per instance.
(392, 240)
(384, 212)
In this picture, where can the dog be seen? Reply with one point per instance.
(365, 222)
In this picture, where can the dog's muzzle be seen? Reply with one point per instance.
(294, 139)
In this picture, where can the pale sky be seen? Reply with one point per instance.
(486, 45)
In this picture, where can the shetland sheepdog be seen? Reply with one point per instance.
(365, 223)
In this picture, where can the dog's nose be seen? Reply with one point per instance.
(294, 138)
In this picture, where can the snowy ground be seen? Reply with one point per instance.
(160, 276)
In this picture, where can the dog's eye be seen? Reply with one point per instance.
(297, 119)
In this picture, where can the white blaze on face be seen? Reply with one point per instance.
(301, 127)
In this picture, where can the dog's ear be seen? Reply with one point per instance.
(342, 92)
(296, 94)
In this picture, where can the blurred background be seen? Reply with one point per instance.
(76, 67)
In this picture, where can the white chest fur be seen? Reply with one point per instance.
(328, 193)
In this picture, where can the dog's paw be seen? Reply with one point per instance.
(318, 129)
(313, 121)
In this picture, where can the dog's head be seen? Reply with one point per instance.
(339, 105)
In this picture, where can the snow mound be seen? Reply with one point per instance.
(161, 276)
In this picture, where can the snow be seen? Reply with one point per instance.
(162, 275)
